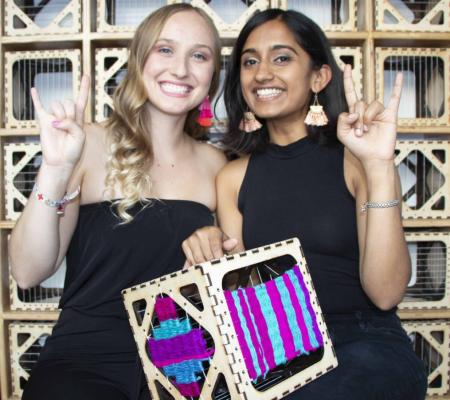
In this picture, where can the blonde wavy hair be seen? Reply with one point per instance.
(130, 152)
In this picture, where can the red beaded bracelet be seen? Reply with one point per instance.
(58, 204)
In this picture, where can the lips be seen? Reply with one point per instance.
(175, 89)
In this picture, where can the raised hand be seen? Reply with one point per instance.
(369, 131)
(61, 130)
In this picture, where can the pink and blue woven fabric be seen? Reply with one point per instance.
(178, 348)
(274, 322)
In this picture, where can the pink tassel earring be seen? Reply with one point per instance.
(206, 115)
(249, 123)
(316, 116)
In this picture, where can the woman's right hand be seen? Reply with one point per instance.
(61, 130)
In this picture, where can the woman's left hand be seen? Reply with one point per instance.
(369, 131)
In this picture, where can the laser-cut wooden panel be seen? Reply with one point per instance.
(26, 341)
(230, 16)
(110, 68)
(424, 168)
(55, 17)
(55, 73)
(429, 286)
(21, 165)
(409, 15)
(426, 84)
(352, 56)
(330, 15)
(214, 317)
(125, 15)
(431, 341)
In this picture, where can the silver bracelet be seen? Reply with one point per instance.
(382, 204)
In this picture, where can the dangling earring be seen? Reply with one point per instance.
(206, 115)
(249, 123)
(316, 116)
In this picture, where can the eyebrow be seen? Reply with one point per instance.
(274, 47)
(197, 45)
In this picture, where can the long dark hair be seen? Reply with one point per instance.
(314, 42)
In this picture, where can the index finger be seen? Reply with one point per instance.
(394, 100)
(82, 99)
(349, 89)
(36, 101)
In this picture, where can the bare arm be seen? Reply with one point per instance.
(369, 134)
(40, 238)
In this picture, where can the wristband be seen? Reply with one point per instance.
(382, 204)
(58, 204)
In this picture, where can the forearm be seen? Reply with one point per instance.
(385, 263)
(35, 241)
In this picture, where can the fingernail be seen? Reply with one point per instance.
(366, 128)
(55, 124)
(353, 115)
(358, 132)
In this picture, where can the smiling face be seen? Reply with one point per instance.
(178, 71)
(276, 74)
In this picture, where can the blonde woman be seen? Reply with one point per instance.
(117, 200)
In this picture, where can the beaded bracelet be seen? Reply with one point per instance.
(58, 204)
(383, 204)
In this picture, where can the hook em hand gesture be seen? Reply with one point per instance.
(61, 130)
(369, 131)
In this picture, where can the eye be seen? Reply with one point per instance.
(282, 59)
(249, 62)
(200, 56)
(164, 50)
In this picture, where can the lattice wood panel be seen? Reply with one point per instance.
(55, 17)
(55, 73)
(230, 16)
(410, 15)
(43, 297)
(21, 165)
(125, 15)
(200, 297)
(330, 15)
(26, 341)
(426, 84)
(431, 341)
(424, 168)
(110, 68)
(429, 286)
(352, 56)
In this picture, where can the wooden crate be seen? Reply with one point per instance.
(26, 341)
(230, 16)
(125, 15)
(330, 15)
(54, 17)
(429, 286)
(199, 294)
(426, 84)
(424, 169)
(407, 16)
(352, 56)
(55, 73)
(21, 165)
(110, 67)
(431, 341)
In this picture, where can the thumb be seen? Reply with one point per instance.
(229, 244)
(345, 122)
(68, 125)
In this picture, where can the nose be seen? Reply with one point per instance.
(264, 72)
(180, 67)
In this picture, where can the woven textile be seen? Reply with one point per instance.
(274, 322)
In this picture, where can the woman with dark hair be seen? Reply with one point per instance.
(318, 164)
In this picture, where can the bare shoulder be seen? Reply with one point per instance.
(211, 154)
(232, 174)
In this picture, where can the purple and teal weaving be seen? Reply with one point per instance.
(274, 322)
(178, 349)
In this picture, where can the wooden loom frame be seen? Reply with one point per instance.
(215, 318)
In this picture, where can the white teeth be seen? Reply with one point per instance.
(171, 88)
(268, 92)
